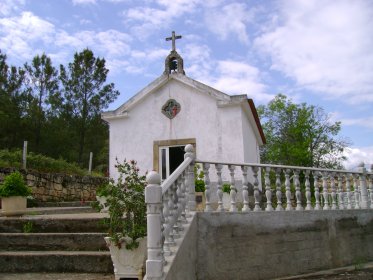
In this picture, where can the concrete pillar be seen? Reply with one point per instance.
(190, 181)
(153, 200)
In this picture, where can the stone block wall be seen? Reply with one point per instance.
(59, 187)
(268, 245)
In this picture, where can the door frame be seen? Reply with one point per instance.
(166, 143)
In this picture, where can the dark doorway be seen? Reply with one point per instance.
(176, 155)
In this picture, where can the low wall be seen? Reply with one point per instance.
(59, 187)
(267, 245)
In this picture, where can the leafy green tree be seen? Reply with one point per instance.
(42, 79)
(13, 105)
(300, 135)
(85, 94)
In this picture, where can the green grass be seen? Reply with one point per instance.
(40, 163)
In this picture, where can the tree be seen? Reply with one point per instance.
(300, 135)
(13, 105)
(43, 83)
(85, 94)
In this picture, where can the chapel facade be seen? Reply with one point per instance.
(174, 110)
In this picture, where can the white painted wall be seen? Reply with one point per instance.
(221, 133)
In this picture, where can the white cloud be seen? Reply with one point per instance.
(362, 122)
(109, 42)
(149, 55)
(228, 20)
(236, 77)
(355, 156)
(26, 35)
(19, 33)
(325, 48)
(83, 2)
(143, 20)
(7, 7)
(229, 76)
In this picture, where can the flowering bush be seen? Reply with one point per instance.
(127, 208)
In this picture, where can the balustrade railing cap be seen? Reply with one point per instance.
(153, 178)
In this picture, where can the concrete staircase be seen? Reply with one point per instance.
(54, 240)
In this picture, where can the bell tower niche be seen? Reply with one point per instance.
(174, 62)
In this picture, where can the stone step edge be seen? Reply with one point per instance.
(53, 253)
(41, 234)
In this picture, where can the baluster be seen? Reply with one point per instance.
(171, 221)
(316, 185)
(341, 205)
(267, 183)
(206, 168)
(233, 192)
(289, 207)
(348, 190)
(278, 190)
(218, 168)
(363, 187)
(256, 189)
(308, 189)
(332, 186)
(179, 204)
(298, 194)
(325, 191)
(356, 192)
(166, 224)
(163, 234)
(371, 188)
(190, 182)
(184, 196)
(175, 227)
(245, 192)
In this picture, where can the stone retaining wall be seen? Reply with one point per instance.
(268, 245)
(59, 187)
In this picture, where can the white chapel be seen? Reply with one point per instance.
(174, 110)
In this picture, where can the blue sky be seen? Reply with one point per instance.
(314, 51)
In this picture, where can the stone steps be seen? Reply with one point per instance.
(60, 243)
(56, 261)
(52, 241)
(84, 222)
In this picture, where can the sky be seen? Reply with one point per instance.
(314, 51)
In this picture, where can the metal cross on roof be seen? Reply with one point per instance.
(173, 38)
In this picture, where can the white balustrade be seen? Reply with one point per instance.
(278, 190)
(371, 188)
(245, 192)
(308, 190)
(356, 192)
(268, 192)
(219, 168)
(304, 188)
(206, 170)
(256, 189)
(171, 204)
(317, 184)
(288, 192)
(340, 193)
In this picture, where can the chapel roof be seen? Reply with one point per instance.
(174, 71)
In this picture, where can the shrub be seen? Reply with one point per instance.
(127, 208)
(199, 176)
(14, 185)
